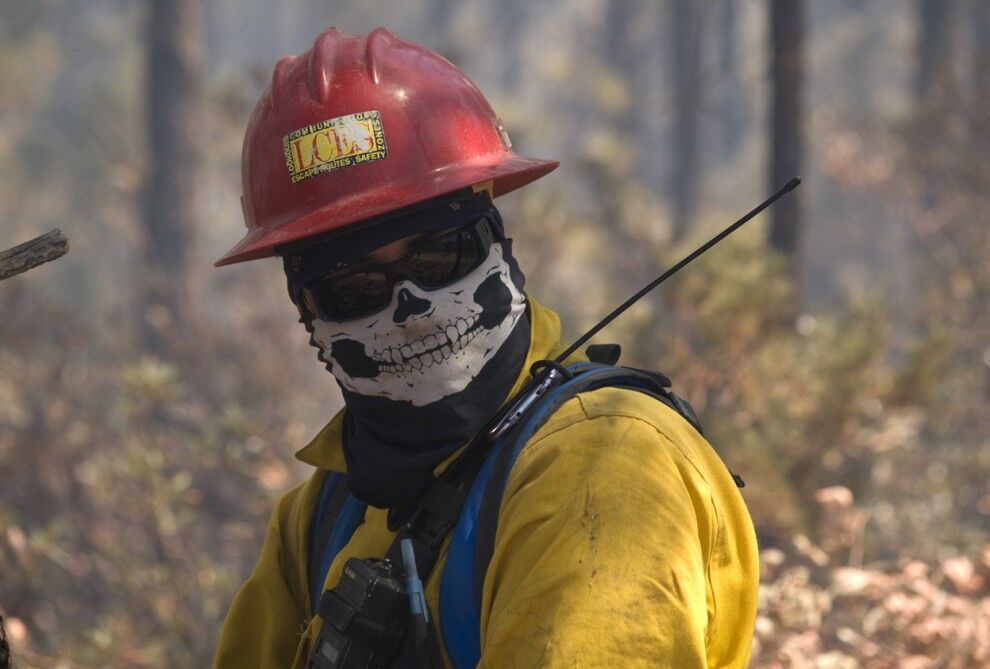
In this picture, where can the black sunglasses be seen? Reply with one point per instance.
(438, 261)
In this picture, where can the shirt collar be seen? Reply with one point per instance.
(326, 450)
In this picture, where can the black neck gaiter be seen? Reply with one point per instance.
(392, 447)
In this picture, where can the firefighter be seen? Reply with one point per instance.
(370, 166)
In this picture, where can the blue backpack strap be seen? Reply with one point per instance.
(336, 516)
(459, 608)
(473, 540)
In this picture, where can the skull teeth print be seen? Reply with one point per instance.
(428, 359)
(423, 355)
(451, 339)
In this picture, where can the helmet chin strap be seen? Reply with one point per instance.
(486, 187)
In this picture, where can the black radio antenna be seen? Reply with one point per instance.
(789, 186)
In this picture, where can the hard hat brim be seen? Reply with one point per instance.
(507, 172)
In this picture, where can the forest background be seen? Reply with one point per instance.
(836, 350)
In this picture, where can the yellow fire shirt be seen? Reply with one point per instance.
(622, 542)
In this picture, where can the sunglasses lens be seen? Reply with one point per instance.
(348, 296)
(434, 263)
(446, 258)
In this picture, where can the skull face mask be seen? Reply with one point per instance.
(423, 373)
(426, 345)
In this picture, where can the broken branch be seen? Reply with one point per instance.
(32, 253)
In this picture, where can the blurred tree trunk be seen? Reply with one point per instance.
(685, 173)
(512, 20)
(4, 647)
(438, 20)
(934, 85)
(786, 122)
(934, 74)
(618, 26)
(861, 51)
(981, 56)
(732, 101)
(628, 33)
(626, 47)
(439, 17)
(174, 71)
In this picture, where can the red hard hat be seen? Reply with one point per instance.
(360, 126)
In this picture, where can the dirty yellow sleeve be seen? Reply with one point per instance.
(622, 542)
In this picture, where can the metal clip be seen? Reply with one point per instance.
(520, 408)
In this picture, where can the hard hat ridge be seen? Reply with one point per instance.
(379, 39)
(319, 67)
(320, 64)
